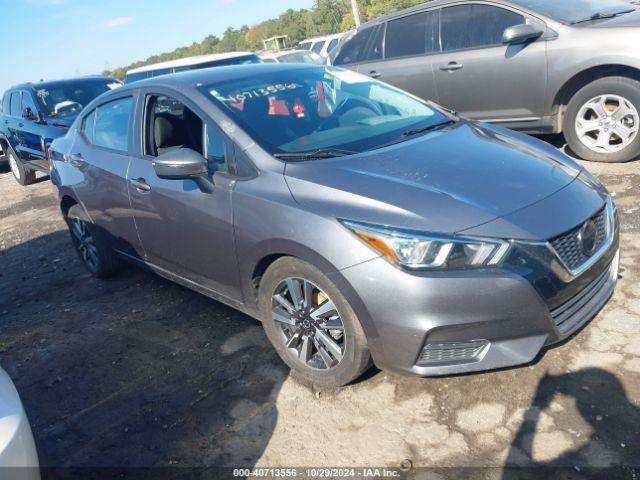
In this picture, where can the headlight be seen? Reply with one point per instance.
(419, 251)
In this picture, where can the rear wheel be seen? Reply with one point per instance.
(602, 122)
(311, 325)
(92, 248)
(22, 174)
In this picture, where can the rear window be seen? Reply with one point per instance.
(112, 124)
(16, 104)
(366, 45)
(412, 35)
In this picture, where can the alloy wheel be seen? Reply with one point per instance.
(607, 123)
(309, 323)
(84, 243)
(13, 164)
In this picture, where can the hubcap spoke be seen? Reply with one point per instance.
(332, 324)
(285, 303)
(330, 344)
(293, 285)
(280, 315)
(294, 341)
(323, 310)
(305, 350)
(326, 358)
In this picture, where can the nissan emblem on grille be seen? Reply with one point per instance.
(588, 237)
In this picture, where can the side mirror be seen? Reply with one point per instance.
(29, 114)
(180, 164)
(521, 33)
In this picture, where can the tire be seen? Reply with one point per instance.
(323, 368)
(91, 245)
(23, 175)
(609, 92)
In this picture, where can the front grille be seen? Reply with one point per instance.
(451, 352)
(569, 316)
(569, 247)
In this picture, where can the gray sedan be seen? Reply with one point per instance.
(539, 66)
(357, 222)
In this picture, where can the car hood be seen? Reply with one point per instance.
(64, 120)
(446, 181)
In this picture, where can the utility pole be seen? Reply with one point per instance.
(356, 12)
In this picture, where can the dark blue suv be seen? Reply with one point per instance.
(34, 114)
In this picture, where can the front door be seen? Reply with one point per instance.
(32, 133)
(479, 76)
(184, 230)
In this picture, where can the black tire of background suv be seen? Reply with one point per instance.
(27, 176)
(357, 358)
(623, 86)
(108, 262)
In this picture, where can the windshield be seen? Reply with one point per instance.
(570, 11)
(71, 97)
(313, 109)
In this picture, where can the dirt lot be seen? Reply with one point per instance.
(137, 371)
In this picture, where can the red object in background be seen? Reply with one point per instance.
(320, 90)
(278, 107)
(298, 108)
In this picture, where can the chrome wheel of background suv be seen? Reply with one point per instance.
(309, 322)
(607, 123)
(14, 166)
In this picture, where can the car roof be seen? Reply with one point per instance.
(189, 61)
(57, 83)
(282, 53)
(213, 75)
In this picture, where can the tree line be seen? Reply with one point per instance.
(324, 18)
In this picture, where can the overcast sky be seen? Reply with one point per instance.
(50, 39)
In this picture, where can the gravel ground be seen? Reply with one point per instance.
(138, 372)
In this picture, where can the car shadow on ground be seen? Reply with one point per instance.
(604, 433)
(134, 371)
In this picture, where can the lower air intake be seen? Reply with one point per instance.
(451, 352)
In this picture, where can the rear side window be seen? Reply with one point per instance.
(16, 104)
(112, 124)
(332, 45)
(317, 47)
(88, 127)
(355, 49)
(304, 46)
(412, 35)
(6, 103)
(475, 26)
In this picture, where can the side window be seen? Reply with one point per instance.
(317, 47)
(6, 103)
(16, 104)
(112, 124)
(27, 102)
(412, 35)
(475, 26)
(332, 45)
(354, 48)
(215, 153)
(170, 125)
(88, 127)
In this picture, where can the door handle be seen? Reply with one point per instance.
(140, 184)
(451, 67)
(374, 74)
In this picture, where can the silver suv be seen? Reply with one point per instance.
(540, 66)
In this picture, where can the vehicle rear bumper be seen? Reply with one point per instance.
(464, 322)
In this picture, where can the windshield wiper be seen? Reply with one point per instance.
(320, 153)
(601, 16)
(428, 128)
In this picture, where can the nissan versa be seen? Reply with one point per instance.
(359, 223)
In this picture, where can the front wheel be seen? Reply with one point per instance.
(23, 175)
(311, 325)
(602, 121)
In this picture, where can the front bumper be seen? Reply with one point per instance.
(402, 313)
(18, 457)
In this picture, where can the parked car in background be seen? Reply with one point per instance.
(357, 222)
(18, 455)
(190, 63)
(292, 56)
(34, 114)
(321, 45)
(540, 66)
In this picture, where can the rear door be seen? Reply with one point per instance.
(409, 43)
(482, 78)
(101, 155)
(184, 231)
(12, 122)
